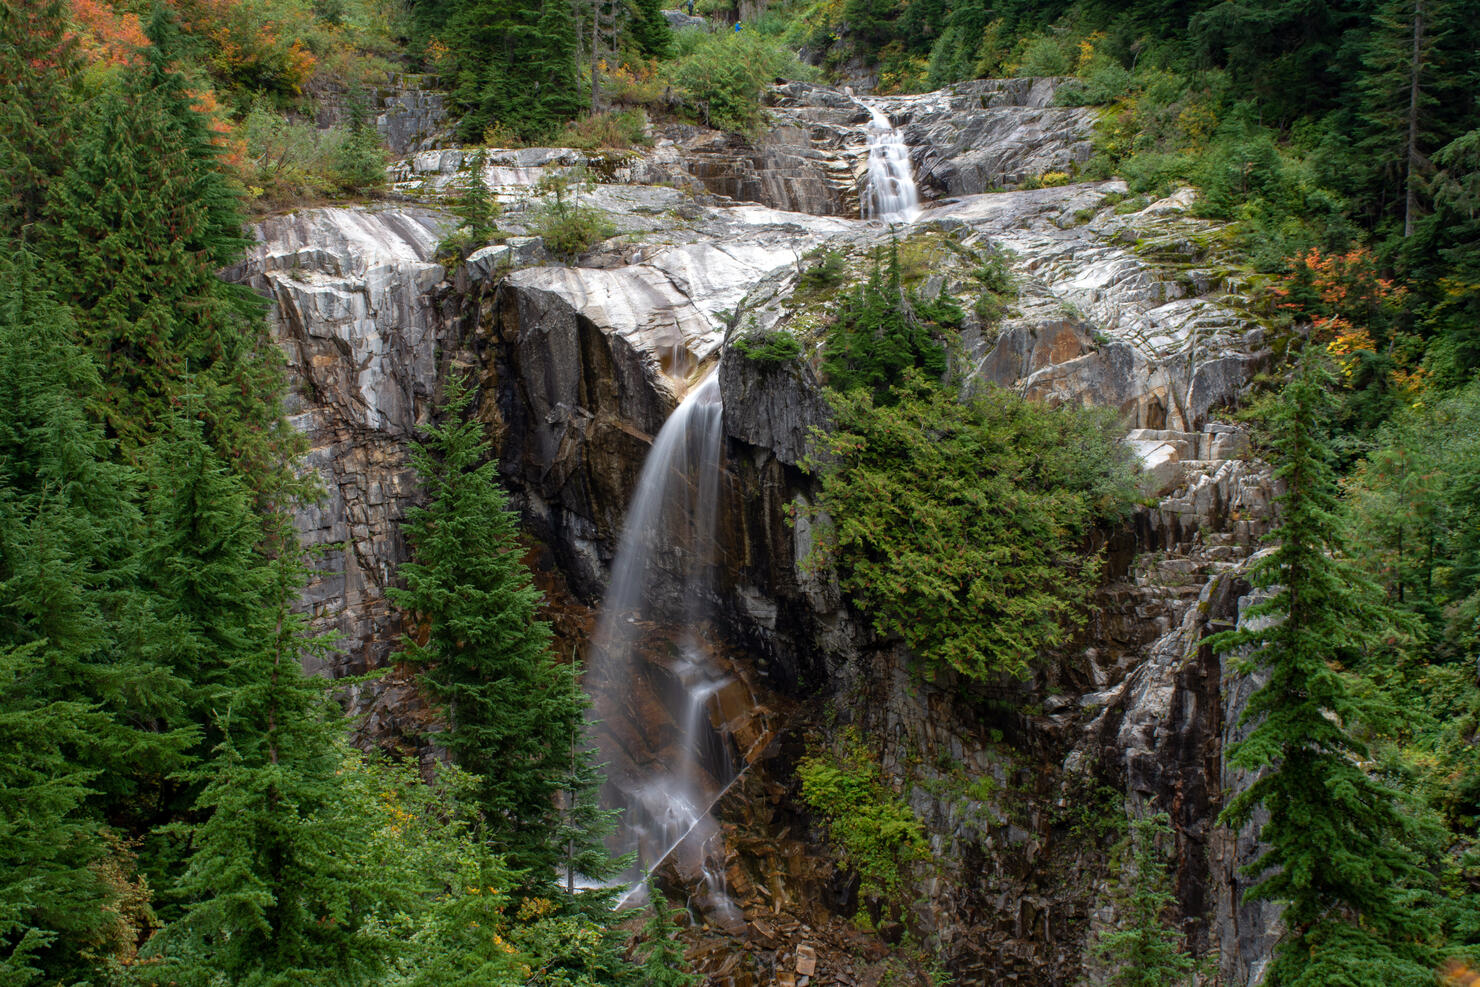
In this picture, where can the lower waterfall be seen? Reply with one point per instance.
(663, 576)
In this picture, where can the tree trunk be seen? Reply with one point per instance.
(1410, 205)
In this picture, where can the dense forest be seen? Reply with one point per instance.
(181, 804)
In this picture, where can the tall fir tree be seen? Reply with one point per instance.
(515, 66)
(510, 710)
(93, 718)
(136, 229)
(650, 31)
(279, 888)
(1146, 950)
(664, 963)
(1334, 848)
(38, 70)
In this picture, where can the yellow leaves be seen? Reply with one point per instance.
(1087, 50)
(533, 908)
(1347, 342)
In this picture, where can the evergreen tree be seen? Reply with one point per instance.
(136, 230)
(360, 159)
(882, 331)
(1400, 89)
(89, 719)
(664, 963)
(69, 550)
(52, 904)
(37, 69)
(509, 708)
(1146, 950)
(279, 887)
(650, 31)
(1334, 843)
(515, 65)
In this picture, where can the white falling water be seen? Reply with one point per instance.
(664, 569)
(891, 194)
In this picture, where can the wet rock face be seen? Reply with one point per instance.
(973, 137)
(990, 134)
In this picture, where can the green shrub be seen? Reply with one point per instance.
(878, 833)
(619, 130)
(775, 347)
(882, 331)
(567, 227)
(357, 162)
(719, 77)
(1044, 56)
(958, 526)
(828, 270)
(571, 230)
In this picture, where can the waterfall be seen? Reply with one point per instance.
(664, 572)
(891, 194)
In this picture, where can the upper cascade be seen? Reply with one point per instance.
(891, 194)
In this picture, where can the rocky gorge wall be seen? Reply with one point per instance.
(1021, 785)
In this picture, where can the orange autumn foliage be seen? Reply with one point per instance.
(105, 35)
(1350, 307)
(253, 43)
(1457, 974)
(223, 134)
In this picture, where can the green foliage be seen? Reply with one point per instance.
(879, 835)
(775, 348)
(357, 162)
(664, 964)
(136, 240)
(568, 228)
(650, 30)
(39, 68)
(511, 62)
(957, 525)
(1415, 513)
(478, 211)
(883, 331)
(828, 270)
(619, 130)
(510, 710)
(719, 77)
(1145, 949)
(1336, 843)
(993, 276)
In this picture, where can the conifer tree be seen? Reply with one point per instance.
(664, 963)
(37, 72)
(1146, 950)
(883, 331)
(509, 707)
(1400, 88)
(1334, 850)
(52, 905)
(278, 887)
(137, 228)
(650, 30)
(515, 65)
(69, 549)
(88, 717)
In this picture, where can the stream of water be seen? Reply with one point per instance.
(891, 194)
(664, 574)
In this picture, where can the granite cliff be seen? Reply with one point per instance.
(1119, 303)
